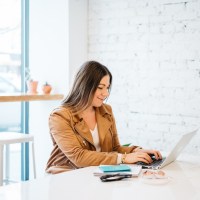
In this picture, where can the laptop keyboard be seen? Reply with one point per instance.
(153, 164)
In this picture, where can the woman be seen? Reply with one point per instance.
(83, 128)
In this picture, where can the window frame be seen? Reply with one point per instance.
(24, 105)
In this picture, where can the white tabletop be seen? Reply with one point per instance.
(83, 185)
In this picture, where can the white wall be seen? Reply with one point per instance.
(78, 36)
(50, 44)
(153, 50)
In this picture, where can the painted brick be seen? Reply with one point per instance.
(153, 50)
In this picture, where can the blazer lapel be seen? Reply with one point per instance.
(102, 119)
(103, 126)
(82, 128)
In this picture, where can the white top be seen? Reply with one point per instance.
(82, 184)
(95, 136)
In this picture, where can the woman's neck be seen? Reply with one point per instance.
(89, 110)
(89, 117)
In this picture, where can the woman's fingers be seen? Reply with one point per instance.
(156, 153)
(143, 157)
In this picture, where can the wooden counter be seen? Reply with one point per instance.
(29, 97)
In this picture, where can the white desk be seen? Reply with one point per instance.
(82, 185)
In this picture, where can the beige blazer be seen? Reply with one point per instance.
(73, 145)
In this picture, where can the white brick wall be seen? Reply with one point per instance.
(152, 48)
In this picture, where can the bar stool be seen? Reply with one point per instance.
(7, 138)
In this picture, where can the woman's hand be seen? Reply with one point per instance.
(156, 153)
(142, 155)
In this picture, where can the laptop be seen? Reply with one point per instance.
(182, 143)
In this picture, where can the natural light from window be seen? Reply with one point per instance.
(10, 48)
(10, 62)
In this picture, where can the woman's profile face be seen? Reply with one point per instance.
(102, 91)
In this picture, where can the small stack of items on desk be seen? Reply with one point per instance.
(117, 172)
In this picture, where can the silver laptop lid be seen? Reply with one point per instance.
(183, 142)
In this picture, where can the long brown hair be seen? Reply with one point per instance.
(85, 84)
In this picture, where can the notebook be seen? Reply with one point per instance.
(181, 144)
(134, 170)
(114, 168)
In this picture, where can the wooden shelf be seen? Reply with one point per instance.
(30, 97)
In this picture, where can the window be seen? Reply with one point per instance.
(10, 62)
(13, 40)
